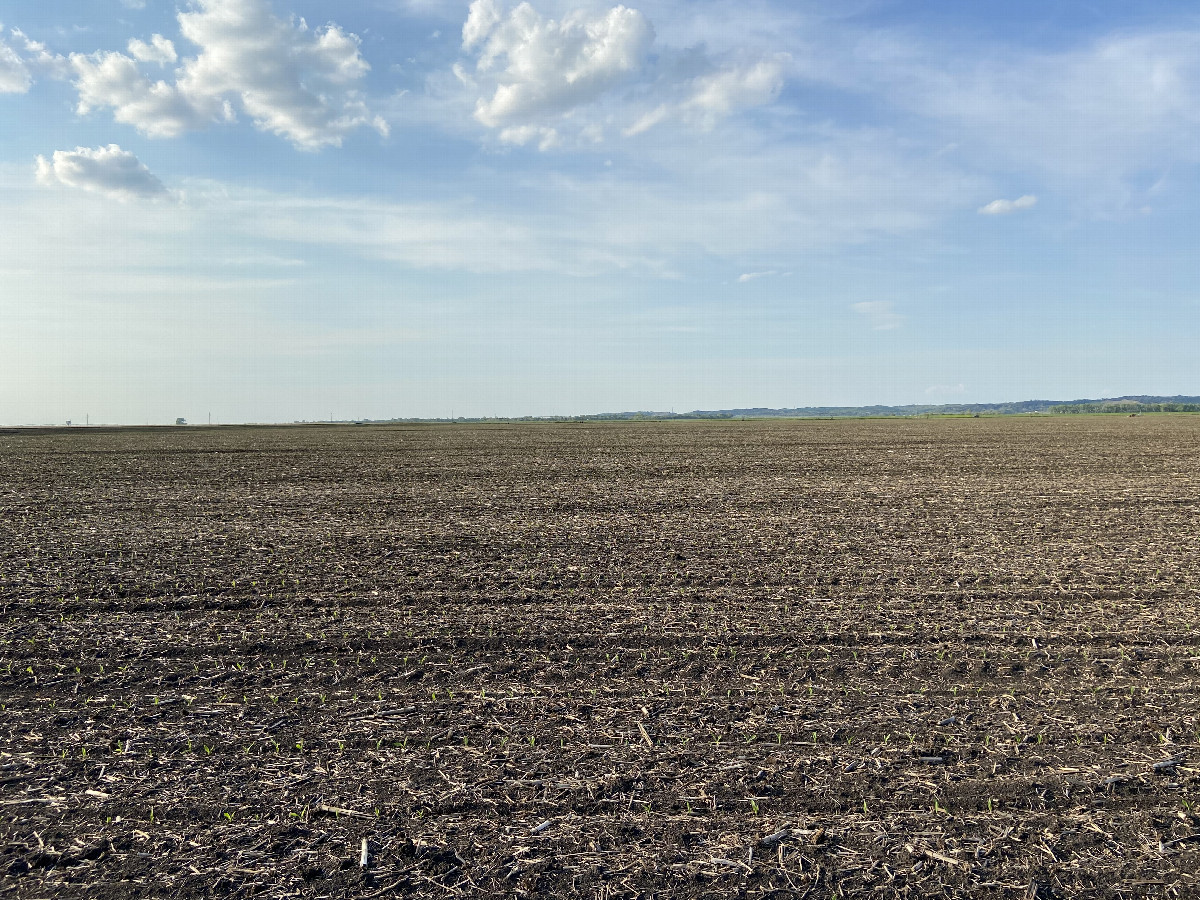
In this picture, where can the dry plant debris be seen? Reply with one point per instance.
(741, 659)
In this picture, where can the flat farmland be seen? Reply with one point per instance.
(869, 658)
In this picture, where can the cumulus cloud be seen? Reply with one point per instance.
(14, 74)
(1004, 207)
(159, 50)
(879, 315)
(109, 170)
(482, 17)
(541, 66)
(534, 72)
(155, 108)
(295, 82)
(37, 59)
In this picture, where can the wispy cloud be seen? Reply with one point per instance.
(879, 315)
(754, 276)
(1004, 207)
(1091, 113)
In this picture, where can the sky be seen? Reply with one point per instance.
(281, 210)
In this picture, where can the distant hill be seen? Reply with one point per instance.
(1126, 405)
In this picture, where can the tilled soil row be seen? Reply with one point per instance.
(894, 659)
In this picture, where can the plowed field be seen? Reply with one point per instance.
(741, 659)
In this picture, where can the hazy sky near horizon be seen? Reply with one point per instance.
(272, 210)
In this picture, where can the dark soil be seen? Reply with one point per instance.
(951, 658)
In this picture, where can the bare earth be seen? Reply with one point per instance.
(828, 659)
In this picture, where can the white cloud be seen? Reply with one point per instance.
(134, 4)
(656, 116)
(546, 67)
(520, 135)
(159, 50)
(14, 74)
(731, 89)
(155, 108)
(482, 17)
(299, 84)
(879, 315)
(715, 95)
(591, 71)
(39, 60)
(754, 276)
(293, 83)
(109, 170)
(1004, 207)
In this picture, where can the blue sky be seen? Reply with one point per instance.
(271, 210)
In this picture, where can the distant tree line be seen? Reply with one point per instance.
(1123, 408)
(1130, 404)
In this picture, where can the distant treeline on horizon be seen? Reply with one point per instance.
(1116, 405)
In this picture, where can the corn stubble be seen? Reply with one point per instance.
(841, 658)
